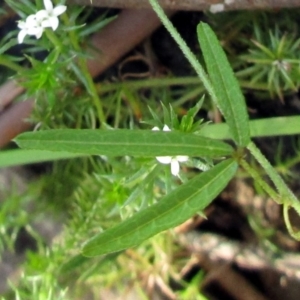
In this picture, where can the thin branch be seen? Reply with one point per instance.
(210, 5)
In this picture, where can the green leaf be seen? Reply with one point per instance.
(258, 128)
(78, 261)
(170, 211)
(7, 46)
(123, 142)
(10, 158)
(97, 25)
(230, 99)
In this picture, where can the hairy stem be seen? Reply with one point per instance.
(255, 175)
(288, 198)
(185, 49)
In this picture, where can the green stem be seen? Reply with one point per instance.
(148, 83)
(88, 78)
(277, 180)
(295, 235)
(256, 176)
(54, 39)
(4, 61)
(292, 161)
(185, 49)
(288, 198)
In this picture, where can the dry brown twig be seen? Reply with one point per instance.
(229, 280)
(212, 5)
(221, 249)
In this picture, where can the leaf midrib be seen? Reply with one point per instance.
(167, 211)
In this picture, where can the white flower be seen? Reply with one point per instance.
(50, 14)
(32, 26)
(35, 24)
(174, 161)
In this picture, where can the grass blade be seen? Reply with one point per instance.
(11, 158)
(258, 128)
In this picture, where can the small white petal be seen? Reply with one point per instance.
(21, 36)
(41, 14)
(21, 24)
(46, 23)
(155, 128)
(33, 30)
(32, 26)
(39, 33)
(59, 9)
(164, 159)
(54, 22)
(48, 5)
(175, 167)
(166, 128)
(182, 158)
(30, 18)
(31, 21)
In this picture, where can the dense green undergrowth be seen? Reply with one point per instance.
(110, 193)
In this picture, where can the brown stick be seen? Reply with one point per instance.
(230, 280)
(212, 5)
(8, 92)
(116, 39)
(121, 35)
(12, 121)
(248, 256)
